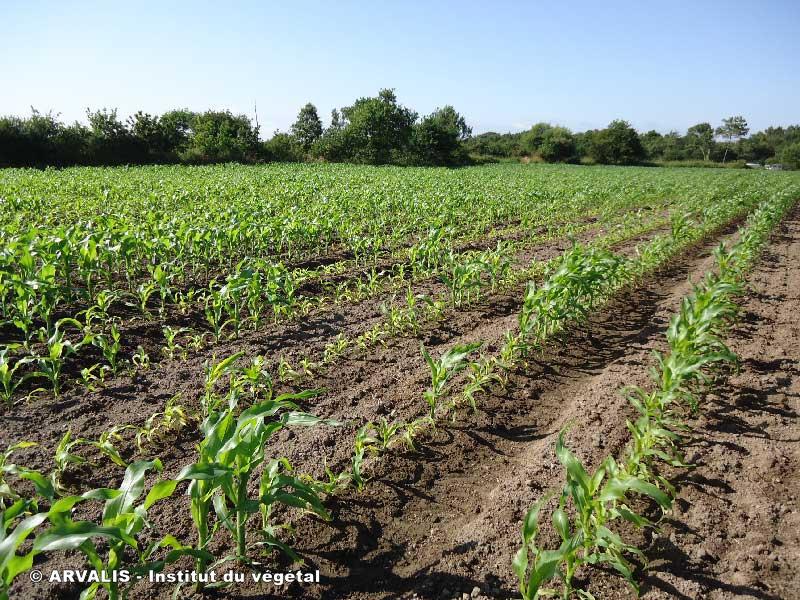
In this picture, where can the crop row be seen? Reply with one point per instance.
(251, 295)
(591, 503)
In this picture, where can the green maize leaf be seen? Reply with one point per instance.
(203, 471)
(304, 395)
(561, 523)
(43, 485)
(572, 464)
(176, 552)
(265, 409)
(520, 566)
(307, 419)
(221, 367)
(161, 490)
(19, 446)
(616, 489)
(11, 564)
(632, 517)
(69, 535)
(7, 516)
(544, 569)
(618, 563)
(223, 514)
(131, 488)
(65, 504)
(608, 539)
(454, 357)
(530, 526)
(272, 541)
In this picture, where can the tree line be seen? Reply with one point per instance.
(373, 130)
(621, 144)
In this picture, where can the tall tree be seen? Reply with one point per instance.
(732, 129)
(700, 138)
(617, 144)
(557, 145)
(307, 129)
(220, 136)
(437, 138)
(653, 143)
(376, 131)
(533, 138)
(336, 120)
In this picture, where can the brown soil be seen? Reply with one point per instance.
(445, 520)
(735, 530)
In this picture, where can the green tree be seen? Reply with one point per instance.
(758, 147)
(105, 124)
(495, 144)
(377, 130)
(220, 136)
(147, 130)
(336, 120)
(176, 127)
(557, 145)
(653, 144)
(674, 146)
(732, 128)
(617, 144)
(790, 155)
(307, 129)
(110, 141)
(283, 147)
(700, 139)
(533, 138)
(437, 139)
(71, 145)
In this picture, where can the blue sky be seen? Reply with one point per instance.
(504, 65)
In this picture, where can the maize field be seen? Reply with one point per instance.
(490, 382)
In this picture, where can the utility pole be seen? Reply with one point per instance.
(255, 109)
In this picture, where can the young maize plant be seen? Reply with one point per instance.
(232, 449)
(171, 421)
(213, 373)
(62, 459)
(335, 349)
(58, 350)
(286, 372)
(365, 441)
(257, 378)
(7, 494)
(143, 294)
(596, 500)
(584, 277)
(100, 310)
(481, 375)
(140, 359)
(8, 374)
(171, 334)
(450, 363)
(215, 311)
(121, 522)
(279, 485)
(105, 443)
(464, 280)
(110, 345)
(430, 252)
